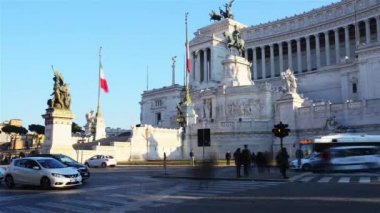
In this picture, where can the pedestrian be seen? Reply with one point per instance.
(237, 156)
(282, 159)
(299, 156)
(165, 162)
(228, 157)
(260, 160)
(246, 160)
(192, 158)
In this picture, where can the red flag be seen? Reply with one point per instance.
(187, 57)
(103, 81)
(187, 50)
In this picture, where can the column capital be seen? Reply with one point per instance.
(307, 37)
(336, 30)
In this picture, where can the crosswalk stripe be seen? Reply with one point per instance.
(325, 179)
(86, 203)
(111, 200)
(344, 180)
(28, 209)
(365, 180)
(65, 207)
(306, 179)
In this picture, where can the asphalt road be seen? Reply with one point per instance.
(132, 189)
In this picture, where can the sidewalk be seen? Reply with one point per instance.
(229, 173)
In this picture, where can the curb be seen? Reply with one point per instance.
(218, 179)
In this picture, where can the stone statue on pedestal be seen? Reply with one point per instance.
(235, 40)
(290, 81)
(61, 96)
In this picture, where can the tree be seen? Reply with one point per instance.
(76, 128)
(14, 131)
(40, 130)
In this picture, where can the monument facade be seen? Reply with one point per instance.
(301, 70)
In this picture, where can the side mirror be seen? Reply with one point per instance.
(36, 168)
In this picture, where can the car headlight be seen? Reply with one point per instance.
(57, 175)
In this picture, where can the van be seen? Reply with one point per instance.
(350, 158)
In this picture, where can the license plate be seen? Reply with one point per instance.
(73, 180)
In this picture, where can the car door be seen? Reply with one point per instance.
(32, 174)
(92, 161)
(17, 171)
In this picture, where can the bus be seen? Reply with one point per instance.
(345, 139)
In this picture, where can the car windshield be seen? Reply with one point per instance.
(50, 164)
(66, 159)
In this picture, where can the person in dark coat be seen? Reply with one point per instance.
(282, 159)
(228, 157)
(237, 156)
(246, 160)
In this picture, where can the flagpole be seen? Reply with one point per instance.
(188, 98)
(98, 113)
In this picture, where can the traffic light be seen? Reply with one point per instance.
(281, 130)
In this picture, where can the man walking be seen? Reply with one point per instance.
(237, 157)
(246, 160)
(282, 159)
(192, 158)
(228, 157)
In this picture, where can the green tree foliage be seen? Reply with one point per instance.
(76, 128)
(39, 129)
(9, 129)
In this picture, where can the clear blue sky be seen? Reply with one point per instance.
(35, 34)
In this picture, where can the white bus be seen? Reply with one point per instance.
(345, 139)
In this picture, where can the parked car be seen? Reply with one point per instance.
(2, 172)
(349, 158)
(41, 171)
(308, 163)
(101, 161)
(82, 169)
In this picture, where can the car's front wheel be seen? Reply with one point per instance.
(9, 182)
(104, 165)
(45, 183)
(306, 167)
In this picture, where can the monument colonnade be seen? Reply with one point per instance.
(312, 51)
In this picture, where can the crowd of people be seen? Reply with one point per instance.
(247, 159)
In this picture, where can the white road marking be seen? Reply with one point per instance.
(307, 179)
(364, 180)
(28, 209)
(65, 207)
(325, 179)
(344, 180)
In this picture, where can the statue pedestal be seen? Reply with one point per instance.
(191, 120)
(100, 128)
(237, 71)
(58, 138)
(286, 113)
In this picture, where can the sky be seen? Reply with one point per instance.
(137, 37)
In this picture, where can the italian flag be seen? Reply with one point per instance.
(103, 81)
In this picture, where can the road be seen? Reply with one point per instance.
(133, 189)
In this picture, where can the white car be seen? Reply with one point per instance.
(101, 161)
(354, 158)
(41, 171)
(2, 172)
(308, 163)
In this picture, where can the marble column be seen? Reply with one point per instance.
(378, 28)
(327, 48)
(308, 55)
(280, 54)
(299, 62)
(205, 73)
(272, 60)
(367, 32)
(318, 50)
(337, 49)
(357, 35)
(290, 64)
(263, 62)
(347, 41)
(254, 63)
